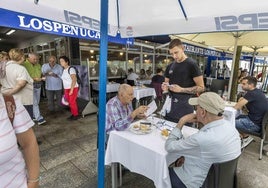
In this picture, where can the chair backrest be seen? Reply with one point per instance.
(158, 89)
(217, 85)
(131, 82)
(264, 125)
(222, 175)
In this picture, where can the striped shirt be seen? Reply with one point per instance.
(12, 164)
(118, 116)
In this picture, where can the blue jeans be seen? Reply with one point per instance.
(36, 100)
(244, 124)
(175, 180)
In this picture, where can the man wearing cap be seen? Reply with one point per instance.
(217, 141)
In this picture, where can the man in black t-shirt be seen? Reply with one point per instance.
(256, 105)
(183, 79)
(158, 78)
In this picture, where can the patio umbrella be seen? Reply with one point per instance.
(130, 18)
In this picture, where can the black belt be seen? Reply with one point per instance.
(37, 84)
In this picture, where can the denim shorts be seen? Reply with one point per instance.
(244, 124)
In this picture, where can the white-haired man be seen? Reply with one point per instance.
(217, 141)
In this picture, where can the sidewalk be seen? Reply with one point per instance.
(69, 156)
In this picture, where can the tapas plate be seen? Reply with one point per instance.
(140, 128)
(165, 133)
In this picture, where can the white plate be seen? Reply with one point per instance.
(138, 130)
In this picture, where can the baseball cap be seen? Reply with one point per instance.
(209, 101)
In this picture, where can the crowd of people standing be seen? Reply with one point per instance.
(21, 80)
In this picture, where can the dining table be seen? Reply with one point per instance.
(111, 87)
(144, 154)
(142, 91)
(230, 113)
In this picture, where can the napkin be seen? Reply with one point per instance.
(152, 108)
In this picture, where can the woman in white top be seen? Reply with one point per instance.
(17, 169)
(70, 86)
(17, 81)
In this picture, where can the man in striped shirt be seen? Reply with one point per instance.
(119, 111)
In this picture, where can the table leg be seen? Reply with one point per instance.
(114, 175)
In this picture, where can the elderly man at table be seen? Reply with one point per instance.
(256, 105)
(217, 141)
(119, 111)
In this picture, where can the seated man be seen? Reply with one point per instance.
(256, 105)
(119, 111)
(217, 141)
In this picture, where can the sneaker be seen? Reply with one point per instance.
(34, 119)
(246, 141)
(72, 117)
(41, 121)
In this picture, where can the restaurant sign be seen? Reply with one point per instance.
(202, 51)
(32, 23)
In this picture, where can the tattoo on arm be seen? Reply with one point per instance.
(193, 90)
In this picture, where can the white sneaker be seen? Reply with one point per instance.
(246, 141)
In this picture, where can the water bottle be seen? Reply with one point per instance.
(225, 94)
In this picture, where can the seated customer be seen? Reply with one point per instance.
(158, 78)
(256, 105)
(132, 77)
(119, 111)
(217, 141)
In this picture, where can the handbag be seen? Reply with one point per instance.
(10, 107)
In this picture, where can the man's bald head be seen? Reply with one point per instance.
(125, 93)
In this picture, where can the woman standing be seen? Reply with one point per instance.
(70, 86)
(17, 81)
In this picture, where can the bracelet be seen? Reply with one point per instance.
(33, 180)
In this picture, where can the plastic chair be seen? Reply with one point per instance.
(217, 85)
(222, 175)
(262, 134)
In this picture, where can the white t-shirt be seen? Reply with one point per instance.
(132, 76)
(66, 78)
(15, 72)
(12, 164)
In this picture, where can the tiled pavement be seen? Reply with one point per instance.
(69, 156)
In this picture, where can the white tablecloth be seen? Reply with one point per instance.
(230, 114)
(144, 81)
(140, 92)
(143, 154)
(110, 87)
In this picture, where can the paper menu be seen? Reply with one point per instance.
(151, 108)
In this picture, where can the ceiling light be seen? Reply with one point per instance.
(10, 32)
(91, 51)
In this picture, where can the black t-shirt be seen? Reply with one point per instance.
(257, 105)
(183, 73)
(158, 79)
